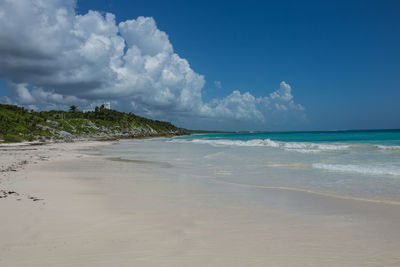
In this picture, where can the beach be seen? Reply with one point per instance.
(158, 203)
(199, 133)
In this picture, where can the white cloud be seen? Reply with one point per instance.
(283, 98)
(65, 58)
(278, 106)
(24, 96)
(38, 96)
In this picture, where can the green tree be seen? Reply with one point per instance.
(73, 109)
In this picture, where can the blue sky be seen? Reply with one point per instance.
(341, 58)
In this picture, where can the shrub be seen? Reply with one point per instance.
(12, 139)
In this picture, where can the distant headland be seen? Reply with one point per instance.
(18, 124)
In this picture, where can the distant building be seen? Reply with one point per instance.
(107, 105)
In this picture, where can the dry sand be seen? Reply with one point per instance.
(76, 207)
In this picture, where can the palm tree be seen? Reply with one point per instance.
(73, 109)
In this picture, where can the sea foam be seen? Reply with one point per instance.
(363, 169)
(301, 147)
(383, 147)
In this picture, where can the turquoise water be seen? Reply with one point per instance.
(366, 162)
(377, 137)
(362, 164)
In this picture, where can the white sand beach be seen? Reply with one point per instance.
(77, 204)
(176, 133)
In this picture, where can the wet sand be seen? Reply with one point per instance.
(97, 210)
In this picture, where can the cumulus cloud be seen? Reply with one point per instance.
(38, 97)
(53, 57)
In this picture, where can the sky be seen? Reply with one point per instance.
(215, 65)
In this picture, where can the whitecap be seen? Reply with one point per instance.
(383, 147)
(301, 147)
(363, 169)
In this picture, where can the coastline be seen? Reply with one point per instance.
(93, 211)
(314, 192)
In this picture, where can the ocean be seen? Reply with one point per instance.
(347, 164)
(306, 198)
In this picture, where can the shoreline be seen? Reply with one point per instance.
(314, 192)
(89, 139)
(22, 163)
(92, 211)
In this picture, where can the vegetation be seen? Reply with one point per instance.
(18, 124)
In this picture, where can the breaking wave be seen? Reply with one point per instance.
(363, 169)
(391, 148)
(302, 147)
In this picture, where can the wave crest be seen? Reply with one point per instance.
(391, 148)
(302, 147)
(363, 169)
